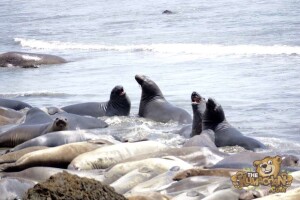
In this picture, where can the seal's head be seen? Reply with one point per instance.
(119, 103)
(149, 87)
(60, 124)
(196, 98)
(213, 114)
(117, 91)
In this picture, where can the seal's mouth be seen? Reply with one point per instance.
(122, 92)
(196, 98)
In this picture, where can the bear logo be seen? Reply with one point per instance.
(269, 166)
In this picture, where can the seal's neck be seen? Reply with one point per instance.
(198, 111)
(121, 106)
(212, 117)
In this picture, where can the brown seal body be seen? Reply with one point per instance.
(59, 156)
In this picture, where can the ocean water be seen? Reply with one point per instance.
(245, 54)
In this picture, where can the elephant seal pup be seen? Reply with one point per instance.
(105, 157)
(13, 104)
(14, 156)
(58, 138)
(24, 132)
(118, 105)
(154, 106)
(28, 60)
(14, 188)
(225, 134)
(60, 156)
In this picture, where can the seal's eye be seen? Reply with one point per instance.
(270, 162)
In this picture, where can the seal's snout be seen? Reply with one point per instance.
(139, 79)
(122, 92)
(211, 104)
(195, 97)
(62, 123)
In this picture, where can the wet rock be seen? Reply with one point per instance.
(67, 186)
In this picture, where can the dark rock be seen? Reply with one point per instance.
(67, 186)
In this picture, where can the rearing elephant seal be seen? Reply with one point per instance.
(118, 105)
(28, 60)
(199, 106)
(225, 134)
(153, 104)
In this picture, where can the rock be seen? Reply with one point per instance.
(67, 186)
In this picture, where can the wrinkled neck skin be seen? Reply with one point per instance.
(119, 106)
(198, 111)
(148, 97)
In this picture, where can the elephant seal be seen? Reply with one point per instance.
(24, 132)
(154, 106)
(157, 182)
(225, 134)
(160, 165)
(199, 106)
(205, 139)
(133, 178)
(60, 156)
(197, 171)
(105, 157)
(246, 159)
(76, 122)
(14, 156)
(196, 156)
(118, 105)
(10, 116)
(58, 138)
(28, 60)
(13, 104)
(36, 115)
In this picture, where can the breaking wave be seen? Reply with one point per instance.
(180, 48)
